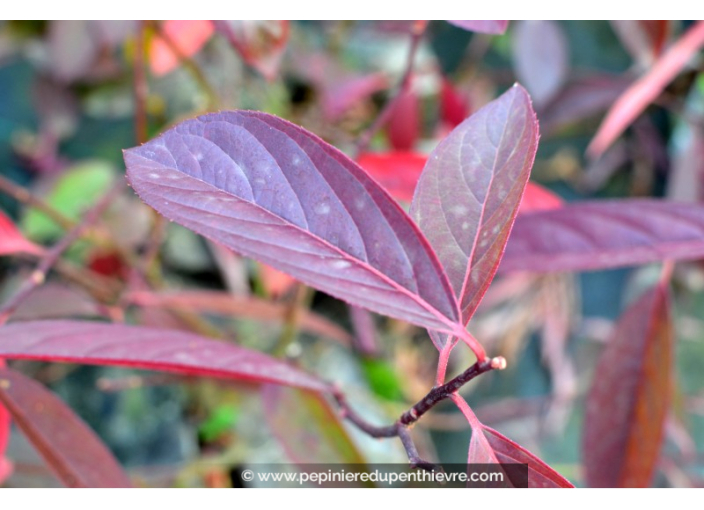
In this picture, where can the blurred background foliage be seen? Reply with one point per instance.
(70, 101)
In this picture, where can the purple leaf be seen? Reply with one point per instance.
(70, 448)
(483, 26)
(470, 190)
(605, 234)
(540, 58)
(152, 349)
(272, 191)
(629, 399)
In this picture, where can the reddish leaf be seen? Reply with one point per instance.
(246, 307)
(397, 172)
(95, 343)
(540, 58)
(604, 234)
(630, 395)
(12, 241)
(275, 282)
(308, 429)
(5, 464)
(537, 198)
(261, 44)
(277, 193)
(403, 126)
(483, 26)
(69, 447)
(487, 446)
(646, 89)
(189, 36)
(469, 193)
(454, 107)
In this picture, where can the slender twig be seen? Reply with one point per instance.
(24, 196)
(140, 88)
(406, 81)
(52, 256)
(299, 302)
(434, 396)
(413, 456)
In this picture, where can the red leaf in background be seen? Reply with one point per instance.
(261, 44)
(603, 234)
(95, 343)
(275, 282)
(454, 107)
(107, 263)
(12, 241)
(71, 449)
(403, 125)
(538, 198)
(275, 192)
(540, 58)
(470, 190)
(5, 464)
(630, 396)
(646, 89)
(189, 36)
(483, 26)
(397, 172)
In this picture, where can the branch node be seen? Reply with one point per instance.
(498, 363)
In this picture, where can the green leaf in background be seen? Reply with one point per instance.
(222, 420)
(383, 379)
(75, 191)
